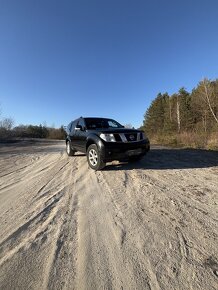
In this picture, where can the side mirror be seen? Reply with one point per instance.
(78, 128)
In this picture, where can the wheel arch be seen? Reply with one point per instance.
(93, 139)
(67, 140)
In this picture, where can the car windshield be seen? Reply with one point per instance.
(99, 123)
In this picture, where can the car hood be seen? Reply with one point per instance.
(112, 130)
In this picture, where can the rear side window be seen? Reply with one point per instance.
(73, 125)
(69, 127)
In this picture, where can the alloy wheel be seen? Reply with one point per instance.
(93, 157)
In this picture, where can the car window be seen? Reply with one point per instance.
(81, 123)
(98, 123)
(73, 126)
(69, 127)
(112, 124)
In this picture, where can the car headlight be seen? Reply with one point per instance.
(108, 137)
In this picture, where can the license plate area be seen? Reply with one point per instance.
(134, 152)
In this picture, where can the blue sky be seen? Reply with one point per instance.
(63, 59)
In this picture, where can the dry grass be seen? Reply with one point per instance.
(213, 141)
(188, 139)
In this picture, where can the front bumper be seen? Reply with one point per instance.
(121, 151)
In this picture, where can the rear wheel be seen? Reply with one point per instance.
(94, 158)
(69, 150)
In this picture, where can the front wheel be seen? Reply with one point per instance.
(94, 158)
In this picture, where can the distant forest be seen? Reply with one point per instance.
(7, 131)
(183, 118)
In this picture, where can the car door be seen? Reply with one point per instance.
(72, 134)
(80, 136)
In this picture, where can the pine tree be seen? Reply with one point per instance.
(154, 116)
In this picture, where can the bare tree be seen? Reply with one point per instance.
(7, 123)
(128, 126)
(170, 110)
(204, 120)
(178, 113)
(209, 96)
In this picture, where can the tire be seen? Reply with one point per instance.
(69, 150)
(94, 158)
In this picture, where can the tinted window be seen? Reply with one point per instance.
(113, 124)
(81, 123)
(99, 123)
(73, 125)
(69, 127)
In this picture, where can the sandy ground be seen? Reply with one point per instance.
(149, 225)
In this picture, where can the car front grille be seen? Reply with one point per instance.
(131, 137)
(128, 137)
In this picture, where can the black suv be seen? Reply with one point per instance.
(104, 140)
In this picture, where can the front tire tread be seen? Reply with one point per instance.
(100, 163)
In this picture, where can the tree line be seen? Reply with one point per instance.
(185, 118)
(7, 131)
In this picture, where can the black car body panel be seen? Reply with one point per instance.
(122, 151)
